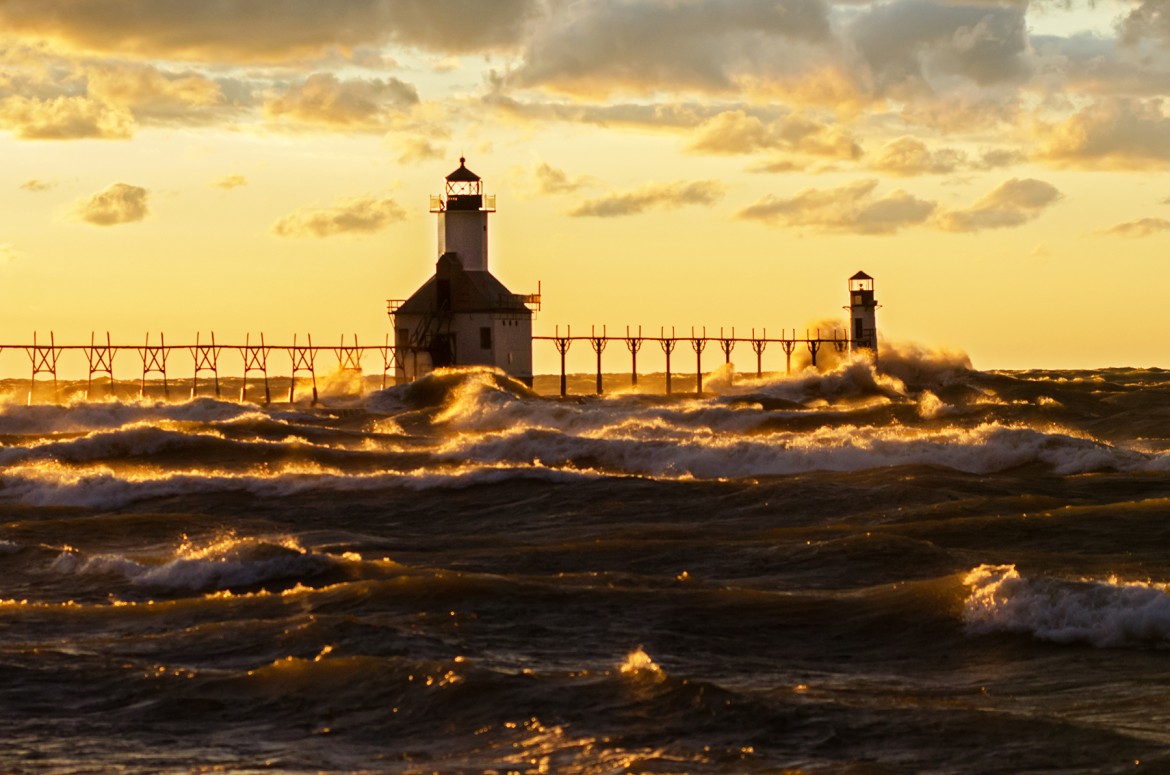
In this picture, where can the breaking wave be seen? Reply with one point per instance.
(1106, 613)
(225, 563)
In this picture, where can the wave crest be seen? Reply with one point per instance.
(1104, 613)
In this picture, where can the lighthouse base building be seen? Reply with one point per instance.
(463, 315)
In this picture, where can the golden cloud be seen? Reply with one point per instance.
(36, 186)
(1012, 203)
(661, 196)
(416, 149)
(64, 118)
(229, 182)
(1142, 227)
(323, 100)
(550, 180)
(908, 156)
(736, 132)
(357, 215)
(1110, 134)
(850, 208)
(120, 203)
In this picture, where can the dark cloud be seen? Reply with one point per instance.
(120, 203)
(1149, 20)
(657, 196)
(268, 30)
(1088, 63)
(358, 215)
(906, 42)
(1013, 203)
(664, 115)
(850, 208)
(646, 46)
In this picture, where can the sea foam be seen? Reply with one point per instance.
(1102, 613)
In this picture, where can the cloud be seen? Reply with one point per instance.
(64, 118)
(908, 156)
(120, 203)
(736, 132)
(229, 182)
(1012, 203)
(416, 149)
(653, 196)
(551, 180)
(651, 115)
(1110, 134)
(323, 100)
(1149, 20)
(151, 93)
(282, 30)
(647, 46)
(854, 208)
(908, 44)
(36, 186)
(1087, 63)
(9, 253)
(961, 110)
(851, 208)
(357, 215)
(1142, 227)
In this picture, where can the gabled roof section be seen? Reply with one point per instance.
(467, 292)
(861, 276)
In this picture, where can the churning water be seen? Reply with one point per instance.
(917, 568)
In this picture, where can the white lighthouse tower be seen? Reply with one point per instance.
(463, 315)
(463, 218)
(862, 306)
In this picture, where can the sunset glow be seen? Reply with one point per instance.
(998, 168)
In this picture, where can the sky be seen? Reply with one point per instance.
(248, 166)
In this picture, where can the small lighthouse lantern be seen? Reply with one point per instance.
(862, 307)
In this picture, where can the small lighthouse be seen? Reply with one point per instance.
(863, 331)
(463, 315)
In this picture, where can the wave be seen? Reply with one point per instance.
(680, 452)
(49, 484)
(82, 416)
(1106, 613)
(224, 563)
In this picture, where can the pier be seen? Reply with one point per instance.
(155, 361)
(813, 341)
(205, 362)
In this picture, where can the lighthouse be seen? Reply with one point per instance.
(463, 315)
(863, 330)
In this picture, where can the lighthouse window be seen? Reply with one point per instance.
(485, 338)
(857, 298)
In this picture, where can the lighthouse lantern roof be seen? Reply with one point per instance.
(463, 175)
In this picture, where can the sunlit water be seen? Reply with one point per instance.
(918, 568)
